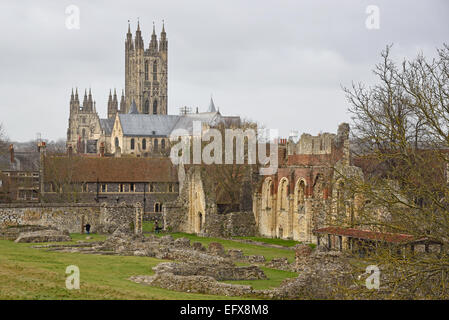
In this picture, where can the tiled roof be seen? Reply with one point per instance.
(109, 169)
(366, 234)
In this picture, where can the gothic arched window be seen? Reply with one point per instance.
(163, 144)
(155, 107)
(155, 70)
(146, 108)
(146, 70)
(144, 144)
(116, 142)
(156, 145)
(132, 144)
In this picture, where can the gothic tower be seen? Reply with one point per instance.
(146, 73)
(84, 122)
(112, 104)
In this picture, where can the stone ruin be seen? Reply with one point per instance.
(52, 223)
(33, 234)
(44, 236)
(196, 269)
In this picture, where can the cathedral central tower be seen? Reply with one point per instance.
(146, 72)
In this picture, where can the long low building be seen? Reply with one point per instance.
(150, 181)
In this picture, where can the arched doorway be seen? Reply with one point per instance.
(282, 213)
(200, 221)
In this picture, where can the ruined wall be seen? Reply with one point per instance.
(192, 208)
(195, 211)
(301, 195)
(71, 217)
(239, 224)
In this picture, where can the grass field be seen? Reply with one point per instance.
(30, 273)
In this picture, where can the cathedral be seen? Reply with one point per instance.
(140, 123)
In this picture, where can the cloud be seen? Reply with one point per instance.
(281, 63)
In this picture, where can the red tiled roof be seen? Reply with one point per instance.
(366, 234)
(109, 169)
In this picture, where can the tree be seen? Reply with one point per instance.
(56, 147)
(230, 182)
(401, 129)
(3, 141)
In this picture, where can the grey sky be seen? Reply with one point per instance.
(281, 63)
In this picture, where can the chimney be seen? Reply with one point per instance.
(102, 149)
(41, 146)
(11, 151)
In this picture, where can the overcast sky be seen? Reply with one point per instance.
(280, 63)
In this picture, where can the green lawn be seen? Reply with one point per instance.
(30, 273)
(279, 242)
(148, 226)
(248, 249)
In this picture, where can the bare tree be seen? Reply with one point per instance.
(3, 141)
(401, 128)
(56, 147)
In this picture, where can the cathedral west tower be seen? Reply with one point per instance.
(146, 72)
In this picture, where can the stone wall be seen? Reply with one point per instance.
(234, 224)
(104, 218)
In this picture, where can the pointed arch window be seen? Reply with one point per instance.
(144, 144)
(155, 70)
(146, 70)
(146, 108)
(132, 144)
(155, 107)
(163, 144)
(301, 193)
(156, 145)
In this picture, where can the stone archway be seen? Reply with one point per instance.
(200, 222)
(299, 210)
(282, 223)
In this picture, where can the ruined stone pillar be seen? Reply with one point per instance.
(138, 219)
(291, 208)
(308, 213)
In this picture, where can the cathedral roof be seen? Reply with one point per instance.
(185, 122)
(107, 125)
(147, 124)
(163, 125)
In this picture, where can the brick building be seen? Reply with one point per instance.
(150, 181)
(306, 191)
(19, 176)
